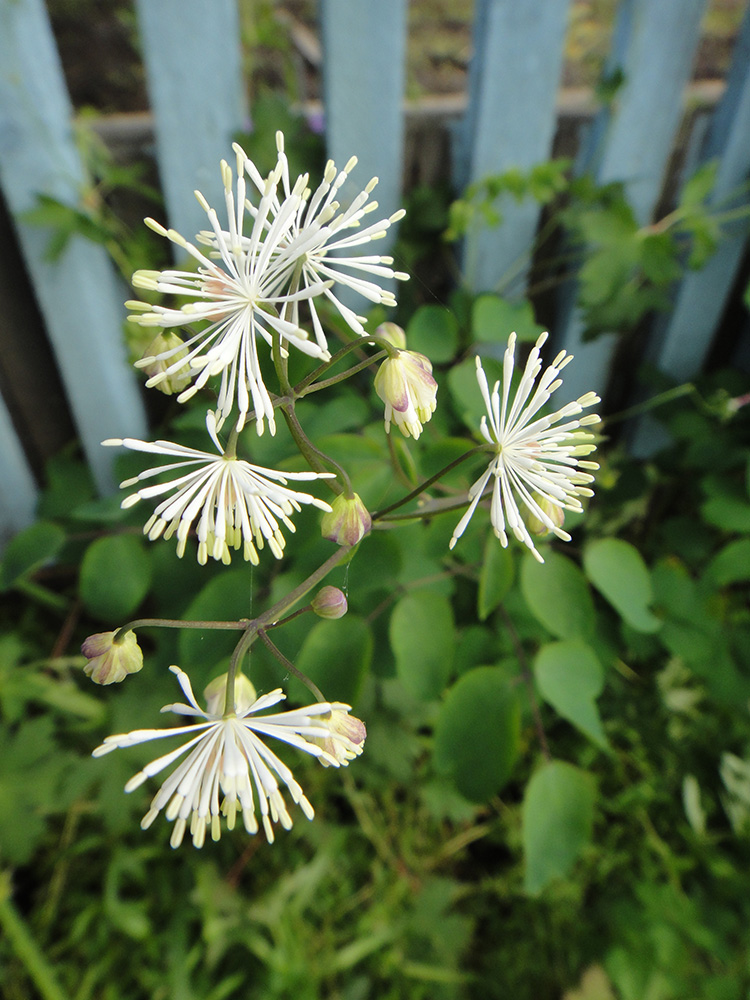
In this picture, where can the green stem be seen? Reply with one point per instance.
(317, 459)
(650, 404)
(288, 665)
(268, 618)
(26, 949)
(378, 515)
(175, 623)
(300, 393)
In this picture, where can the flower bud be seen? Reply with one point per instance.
(555, 514)
(215, 694)
(329, 602)
(406, 386)
(110, 661)
(347, 522)
(393, 334)
(347, 735)
(165, 351)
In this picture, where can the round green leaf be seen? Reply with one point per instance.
(477, 733)
(727, 513)
(464, 391)
(495, 576)
(493, 319)
(422, 637)
(557, 820)
(30, 549)
(228, 597)
(115, 577)
(336, 655)
(558, 596)
(570, 678)
(732, 564)
(618, 571)
(433, 331)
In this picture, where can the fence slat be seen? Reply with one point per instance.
(654, 48)
(364, 45)
(18, 493)
(79, 294)
(192, 53)
(703, 294)
(518, 53)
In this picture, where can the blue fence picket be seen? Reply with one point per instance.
(79, 294)
(192, 53)
(703, 294)
(653, 46)
(18, 493)
(515, 74)
(364, 46)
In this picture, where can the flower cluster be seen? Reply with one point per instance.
(228, 768)
(535, 459)
(253, 275)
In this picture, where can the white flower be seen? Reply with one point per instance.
(228, 757)
(241, 299)
(317, 246)
(536, 458)
(406, 386)
(236, 503)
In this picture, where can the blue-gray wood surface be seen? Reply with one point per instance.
(18, 492)
(654, 47)
(79, 293)
(364, 47)
(191, 49)
(518, 55)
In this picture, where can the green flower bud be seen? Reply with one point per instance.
(329, 602)
(555, 518)
(347, 522)
(161, 362)
(393, 333)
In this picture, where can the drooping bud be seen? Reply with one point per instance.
(329, 602)
(347, 522)
(215, 694)
(393, 333)
(347, 735)
(165, 352)
(110, 661)
(406, 386)
(554, 513)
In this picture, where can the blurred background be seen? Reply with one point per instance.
(573, 165)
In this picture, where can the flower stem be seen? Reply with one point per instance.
(25, 947)
(317, 459)
(426, 484)
(288, 665)
(175, 623)
(272, 616)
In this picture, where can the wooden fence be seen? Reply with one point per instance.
(192, 59)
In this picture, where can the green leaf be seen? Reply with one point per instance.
(477, 733)
(115, 577)
(30, 549)
(433, 331)
(731, 564)
(495, 576)
(227, 597)
(558, 596)
(493, 319)
(727, 513)
(570, 678)
(557, 821)
(336, 655)
(619, 573)
(464, 390)
(422, 637)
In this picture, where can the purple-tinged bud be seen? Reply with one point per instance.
(347, 735)
(329, 602)
(347, 522)
(406, 386)
(110, 661)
